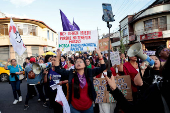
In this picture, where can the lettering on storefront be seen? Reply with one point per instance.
(151, 36)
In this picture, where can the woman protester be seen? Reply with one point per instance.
(89, 65)
(50, 78)
(149, 75)
(155, 98)
(48, 59)
(131, 68)
(69, 64)
(15, 71)
(163, 53)
(63, 62)
(106, 107)
(81, 89)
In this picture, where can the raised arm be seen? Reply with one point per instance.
(62, 72)
(6, 65)
(138, 80)
(124, 104)
(99, 70)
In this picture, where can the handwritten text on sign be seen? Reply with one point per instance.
(103, 96)
(103, 44)
(77, 40)
(115, 58)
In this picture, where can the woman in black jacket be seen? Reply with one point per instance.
(155, 99)
(149, 75)
(81, 89)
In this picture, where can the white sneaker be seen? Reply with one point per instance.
(15, 101)
(20, 99)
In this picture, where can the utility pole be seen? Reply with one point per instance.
(98, 32)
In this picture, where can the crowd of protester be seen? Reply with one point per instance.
(76, 75)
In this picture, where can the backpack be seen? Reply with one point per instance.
(31, 74)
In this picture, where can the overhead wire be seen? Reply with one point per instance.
(140, 9)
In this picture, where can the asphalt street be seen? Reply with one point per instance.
(6, 101)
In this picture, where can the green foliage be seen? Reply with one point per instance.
(122, 46)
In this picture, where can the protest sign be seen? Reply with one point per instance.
(103, 96)
(150, 52)
(115, 58)
(103, 44)
(77, 40)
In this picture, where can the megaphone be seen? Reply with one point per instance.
(37, 68)
(136, 50)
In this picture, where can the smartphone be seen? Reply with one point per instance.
(107, 13)
(109, 74)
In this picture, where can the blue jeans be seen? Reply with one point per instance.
(16, 88)
(73, 110)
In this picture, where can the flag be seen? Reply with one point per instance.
(61, 99)
(16, 39)
(67, 25)
(76, 26)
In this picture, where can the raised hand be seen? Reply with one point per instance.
(111, 82)
(8, 60)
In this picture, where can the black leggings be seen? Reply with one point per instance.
(55, 105)
(29, 92)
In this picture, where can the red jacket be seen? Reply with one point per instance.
(128, 69)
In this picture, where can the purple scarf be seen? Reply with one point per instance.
(63, 63)
(162, 60)
(82, 80)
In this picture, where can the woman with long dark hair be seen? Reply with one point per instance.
(81, 89)
(155, 98)
(150, 75)
(88, 63)
(50, 78)
(48, 59)
(69, 64)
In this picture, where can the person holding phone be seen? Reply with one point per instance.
(81, 88)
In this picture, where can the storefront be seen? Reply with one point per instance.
(152, 40)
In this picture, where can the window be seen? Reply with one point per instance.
(25, 29)
(162, 23)
(3, 29)
(156, 23)
(20, 28)
(148, 25)
(52, 36)
(48, 35)
(125, 33)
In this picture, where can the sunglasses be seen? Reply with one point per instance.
(166, 50)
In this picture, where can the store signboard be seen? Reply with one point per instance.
(151, 36)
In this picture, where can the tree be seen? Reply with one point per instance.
(122, 46)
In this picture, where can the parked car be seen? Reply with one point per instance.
(4, 74)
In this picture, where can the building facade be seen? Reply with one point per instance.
(152, 25)
(35, 34)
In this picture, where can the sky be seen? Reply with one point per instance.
(86, 13)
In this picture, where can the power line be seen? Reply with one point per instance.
(138, 15)
(122, 7)
(120, 13)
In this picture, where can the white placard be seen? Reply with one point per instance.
(115, 58)
(77, 40)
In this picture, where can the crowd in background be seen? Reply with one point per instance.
(76, 75)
